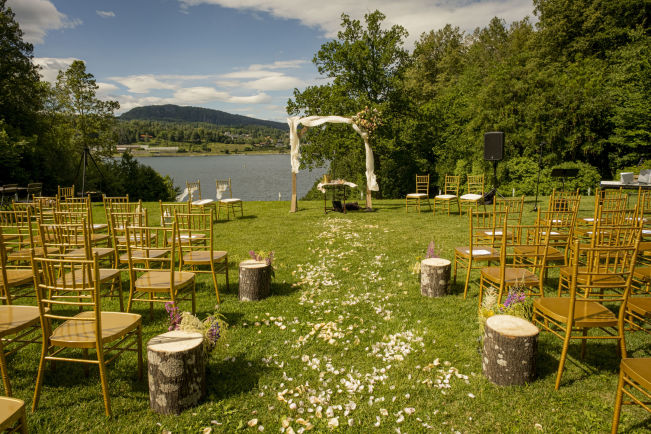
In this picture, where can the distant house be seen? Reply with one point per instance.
(164, 149)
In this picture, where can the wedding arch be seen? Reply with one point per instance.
(315, 121)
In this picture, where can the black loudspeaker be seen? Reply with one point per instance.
(493, 146)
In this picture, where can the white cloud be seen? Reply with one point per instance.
(37, 17)
(50, 66)
(143, 83)
(280, 82)
(261, 98)
(199, 94)
(106, 14)
(417, 16)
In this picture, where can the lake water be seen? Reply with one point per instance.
(253, 177)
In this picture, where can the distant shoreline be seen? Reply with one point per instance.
(200, 154)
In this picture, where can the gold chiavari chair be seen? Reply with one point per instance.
(474, 193)
(167, 210)
(482, 245)
(513, 271)
(197, 249)
(118, 225)
(449, 194)
(12, 415)
(230, 203)
(414, 199)
(19, 325)
(65, 192)
(78, 322)
(604, 280)
(153, 279)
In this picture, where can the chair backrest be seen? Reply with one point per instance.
(422, 184)
(452, 184)
(484, 228)
(475, 184)
(194, 190)
(195, 231)
(167, 210)
(141, 241)
(60, 238)
(605, 274)
(223, 186)
(5, 294)
(515, 206)
(18, 229)
(64, 192)
(66, 282)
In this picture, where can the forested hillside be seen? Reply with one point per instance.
(175, 113)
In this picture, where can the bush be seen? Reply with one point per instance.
(521, 174)
(128, 176)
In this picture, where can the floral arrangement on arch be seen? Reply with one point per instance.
(516, 304)
(431, 253)
(212, 328)
(368, 120)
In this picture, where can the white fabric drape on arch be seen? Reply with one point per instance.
(315, 121)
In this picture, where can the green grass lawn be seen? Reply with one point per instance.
(345, 338)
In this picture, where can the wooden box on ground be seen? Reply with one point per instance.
(177, 371)
(509, 351)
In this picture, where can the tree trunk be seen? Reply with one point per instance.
(509, 353)
(434, 277)
(255, 280)
(177, 370)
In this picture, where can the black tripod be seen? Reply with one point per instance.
(83, 161)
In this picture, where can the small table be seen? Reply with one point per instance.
(338, 185)
(628, 186)
(7, 192)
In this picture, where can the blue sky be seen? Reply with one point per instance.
(239, 56)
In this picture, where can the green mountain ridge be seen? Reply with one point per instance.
(175, 113)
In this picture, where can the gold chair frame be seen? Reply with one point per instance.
(422, 193)
(449, 194)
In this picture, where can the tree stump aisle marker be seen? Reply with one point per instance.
(435, 277)
(255, 280)
(509, 351)
(177, 371)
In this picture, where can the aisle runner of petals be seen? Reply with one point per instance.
(338, 317)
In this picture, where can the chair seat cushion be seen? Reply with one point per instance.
(105, 274)
(639, 369)
(230, 200)
(202, 202)
(417, 195)
(553, 254)
(471, 197)
(512, 276)
(18, 276)
(25, 254)
(10, 411)
(484, 253)
(587, 313)
(139, 255)
(199, 257)
(99, 226)
(639, 305)
(603, 280)
(14, 318)
(73, 333)
(101, 252)
(445, 197)
(160, 280)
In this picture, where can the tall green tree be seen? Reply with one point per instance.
(366, 64)
(90, 120)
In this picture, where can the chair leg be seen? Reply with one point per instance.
(561, 361)
(454, 278)
(194, 285)
(104, 381)
(139, 337)
(119, 279)
(39, 375)
(226, 266)
(3, 369)
(467, 283)
(618, 402)
(214, 280)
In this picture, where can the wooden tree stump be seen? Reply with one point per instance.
(177, 371)
(255, 280)
(434, 277)
(509, 352)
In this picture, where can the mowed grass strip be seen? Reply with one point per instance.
(345, 342)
